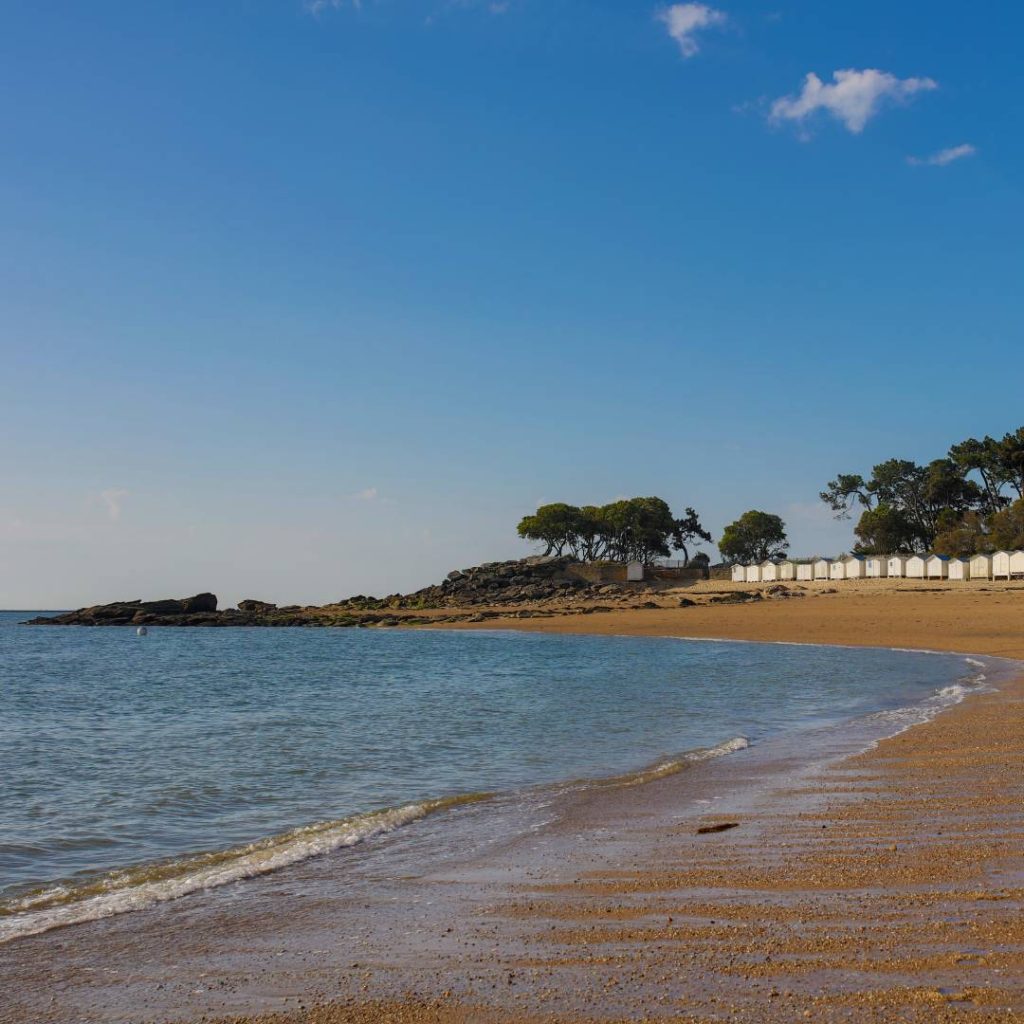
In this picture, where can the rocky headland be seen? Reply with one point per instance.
(525, 588)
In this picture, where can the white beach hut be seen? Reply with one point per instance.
(1001, 565)
(981, 567)
(959, 568)
(937, 567)
(753, 574)
(822, 568)
(896, 565)
(837, 570)
(917, 567)
(876, 567)
(1016, 564)
(787, 570)
(805, 570)
(739, 574)
(769, 571)
(856, 567)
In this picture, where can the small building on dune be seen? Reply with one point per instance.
(769, 571)
(959, 568)
(805, 571)
(1001, 565)
(876, 567)
(917, 567)
(1017, 565)
(981, 567)
(753, 574)
(739, 574)
(787, 570)
(822, 568)
(937, 567)
(856, 567)
(896, 565)
(837, 570)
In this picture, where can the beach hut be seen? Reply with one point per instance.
(753, 574)
(981, 567)
(856, 567)
(837, 570)
(805, 571)
(896, 565)
(739, 574)
(1001, 565)
(937, 567)
(769, 571)
(876, 567)
(917, 567)
(787, 570)
(822, 568)
(1017, 565)
(959, 568)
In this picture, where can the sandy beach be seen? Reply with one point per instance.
(886, 885)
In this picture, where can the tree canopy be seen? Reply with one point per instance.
(950, 505)
(754, 537)
(633, 529)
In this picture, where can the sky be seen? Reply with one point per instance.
(302, 300)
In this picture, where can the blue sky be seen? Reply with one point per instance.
(305, 301)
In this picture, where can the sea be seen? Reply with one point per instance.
(136, 770)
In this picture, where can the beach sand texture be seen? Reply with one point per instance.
(888, 886)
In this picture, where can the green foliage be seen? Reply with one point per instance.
(1007, 528)
(948, 502)
(634, 529)
(969, 535)
(754, 537)
(883, 530)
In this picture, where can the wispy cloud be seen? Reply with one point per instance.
(370, 494)
(112, 498)
(683, 21)
(852, 97)
(943, 156)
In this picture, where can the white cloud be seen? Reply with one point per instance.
(370, 494)
(853, 97)
(683, 20)
(112, 499)
(943, 156)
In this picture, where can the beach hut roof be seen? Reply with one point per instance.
(945, 558)
(855, 558)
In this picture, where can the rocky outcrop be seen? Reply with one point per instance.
(523, 588)
(200, 610)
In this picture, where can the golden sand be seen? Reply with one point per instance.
(899, 898)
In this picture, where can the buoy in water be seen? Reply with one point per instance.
(141, 631)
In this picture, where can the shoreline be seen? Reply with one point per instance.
(702, 882)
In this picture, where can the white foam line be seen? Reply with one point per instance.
(258, 858)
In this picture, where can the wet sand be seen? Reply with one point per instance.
(887, 885)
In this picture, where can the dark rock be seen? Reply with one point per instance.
(168, 607)
(200, 603)
(707, 830)
(256, 607)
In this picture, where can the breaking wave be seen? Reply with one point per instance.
(149, 884)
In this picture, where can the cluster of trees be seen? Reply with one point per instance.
(970, 501)
(754, 537)
(634, 529)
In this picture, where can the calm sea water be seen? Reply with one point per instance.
(136, 769)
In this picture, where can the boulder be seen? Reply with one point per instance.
(199, 603)
(255, 607)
